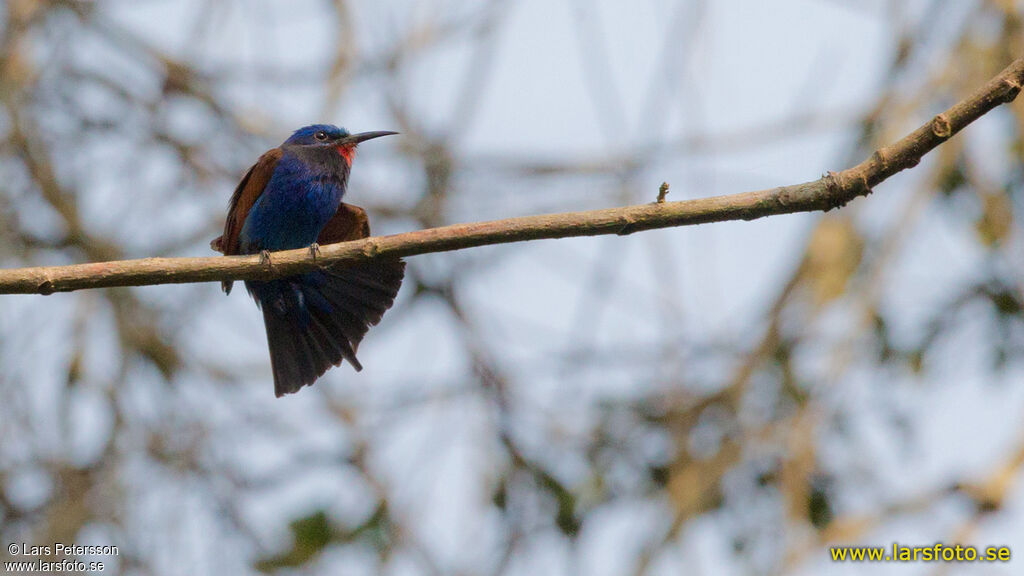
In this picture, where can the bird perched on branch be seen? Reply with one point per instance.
(291, 199)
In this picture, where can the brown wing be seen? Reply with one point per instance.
(248, 190)
(348, 223)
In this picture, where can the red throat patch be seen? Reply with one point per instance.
(348, 152)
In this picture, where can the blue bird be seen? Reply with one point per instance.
(291, 198)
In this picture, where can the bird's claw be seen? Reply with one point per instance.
(314, 250)
(265, 258)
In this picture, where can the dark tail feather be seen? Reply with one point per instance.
(316, 320)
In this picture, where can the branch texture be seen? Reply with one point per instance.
(833, 190)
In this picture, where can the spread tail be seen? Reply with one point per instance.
(316, 320)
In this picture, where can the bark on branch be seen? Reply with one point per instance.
(833, 190)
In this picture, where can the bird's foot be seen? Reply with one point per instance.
(265, 259)
(314, 250)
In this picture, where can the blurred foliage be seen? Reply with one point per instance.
(313, 533)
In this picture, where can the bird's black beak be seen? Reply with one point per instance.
(353, 139)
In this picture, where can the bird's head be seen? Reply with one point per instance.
(328, 136)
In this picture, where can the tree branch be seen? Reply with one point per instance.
(831, 191)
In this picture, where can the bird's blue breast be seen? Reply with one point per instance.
(297, 203)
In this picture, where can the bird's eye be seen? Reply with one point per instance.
(320, 135)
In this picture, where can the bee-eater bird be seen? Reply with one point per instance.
(291, 198)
